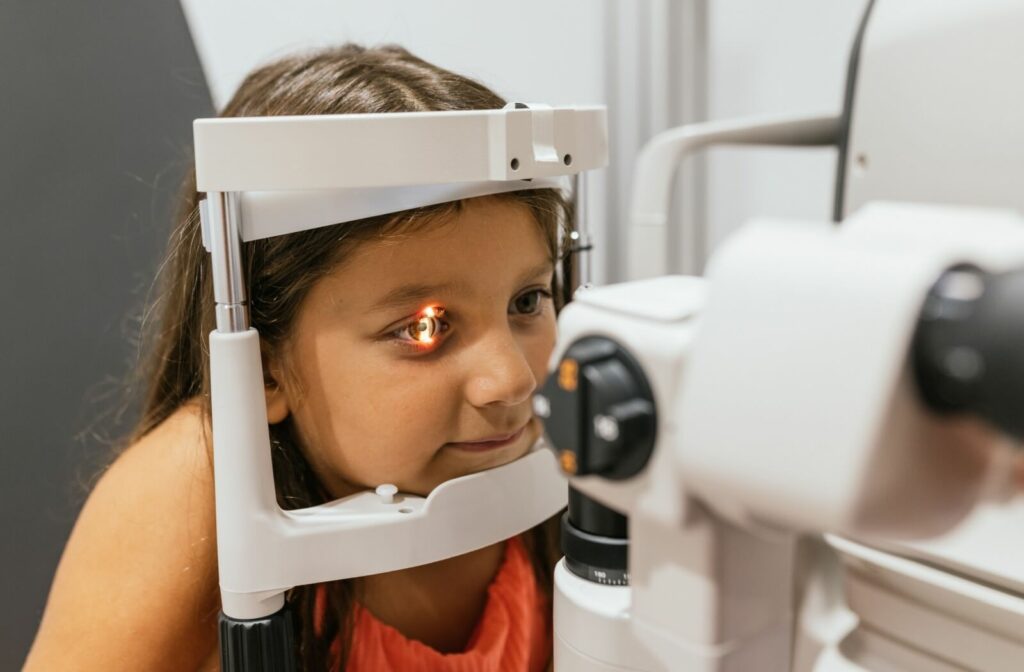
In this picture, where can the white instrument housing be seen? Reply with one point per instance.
(797, 410)
(806, 337)
(785, 405)
(947, 137)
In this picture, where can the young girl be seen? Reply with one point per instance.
(354, 399)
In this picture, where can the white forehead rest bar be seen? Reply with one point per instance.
(275, 213)
(409, 148)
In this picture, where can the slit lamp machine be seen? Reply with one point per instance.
(803, 460)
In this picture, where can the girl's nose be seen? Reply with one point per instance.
(499, 373)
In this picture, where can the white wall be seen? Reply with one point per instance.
(774, 57)
(529, 49)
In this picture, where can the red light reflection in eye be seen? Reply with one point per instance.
(428, 325)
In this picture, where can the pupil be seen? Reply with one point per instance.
(424, 329)
(427, 326)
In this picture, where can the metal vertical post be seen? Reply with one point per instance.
(223, 225)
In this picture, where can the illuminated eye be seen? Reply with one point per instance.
(427, 327)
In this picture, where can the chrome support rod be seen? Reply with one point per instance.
(574, 271)
(223, 232)
(582, 244)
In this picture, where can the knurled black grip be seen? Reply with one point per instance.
(258, 645)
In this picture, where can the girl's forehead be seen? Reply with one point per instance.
(488, 245)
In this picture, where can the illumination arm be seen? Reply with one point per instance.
(656, 169)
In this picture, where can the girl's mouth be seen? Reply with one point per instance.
(489, 444)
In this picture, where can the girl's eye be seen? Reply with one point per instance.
(424, 331)
(529, 303)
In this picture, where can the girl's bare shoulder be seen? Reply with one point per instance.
(137, 583)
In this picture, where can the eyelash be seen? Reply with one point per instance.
(401, 333)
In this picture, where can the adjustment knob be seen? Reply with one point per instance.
(598, 410)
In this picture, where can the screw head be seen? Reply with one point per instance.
(541, 406)
(606, 427)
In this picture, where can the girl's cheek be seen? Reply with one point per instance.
(540, 349)
(417, 410)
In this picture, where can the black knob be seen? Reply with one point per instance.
(967, 352)
(598, 410)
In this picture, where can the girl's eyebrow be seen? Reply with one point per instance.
(406, 294)
(545, 269)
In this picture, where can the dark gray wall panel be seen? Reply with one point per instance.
(96, 104)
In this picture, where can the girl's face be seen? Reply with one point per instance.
(377, 399)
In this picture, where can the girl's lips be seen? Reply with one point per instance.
(480, 446)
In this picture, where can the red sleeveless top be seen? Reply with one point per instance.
(513, 635)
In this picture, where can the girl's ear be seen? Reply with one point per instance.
(274, 388)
